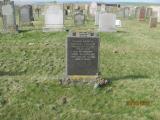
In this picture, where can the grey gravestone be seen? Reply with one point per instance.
(1, 3)
(82, 54)
(26, 15)
(137, 11)
(79, 19)
(126, 12)
(148, 12)
(120, 13)
(153, 22)
(9, 18)
(97, 18)
(154, 14)
(132, 12)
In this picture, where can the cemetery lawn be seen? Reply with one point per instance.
(31, 63)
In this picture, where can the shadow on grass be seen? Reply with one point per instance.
(129, 77)
(24, 31)
(2, 73)
(120, 31)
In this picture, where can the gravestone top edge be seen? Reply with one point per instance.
(83, 34)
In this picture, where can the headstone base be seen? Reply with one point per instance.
(11, 29)
(76, 79)
(27, 24)
(53, 28)
(82, 77)
(108, 30)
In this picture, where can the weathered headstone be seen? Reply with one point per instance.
(148, 12)
(107, 22)
(79, 19)
(142, 14)
(26, 15)
(9, 18)
(153, 22)
(137, 12)
(82, 56)
(132, 12)
(103, 7)
(1, 3)
(54, 18)
(86, 9)
(120, 13)
(97, 18)
(158, 15)
(126, 12)
(154, 14)
(93, 8)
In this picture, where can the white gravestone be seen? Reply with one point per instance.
(103, 8)
(93, 9)
(118, 23)
(158, 14)
(54, 18)
(107, 22)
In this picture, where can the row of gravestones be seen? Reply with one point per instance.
(143, 13)
(54, 17)
(9, 17)
(56, 11)
(126, 12)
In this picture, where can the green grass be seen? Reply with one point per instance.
(31, 63)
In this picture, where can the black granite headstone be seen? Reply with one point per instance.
(82, 54)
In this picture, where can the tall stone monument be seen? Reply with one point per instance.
(82, 56)
(8, 17)
(54, 18)
(107, 22)
(26, 15)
